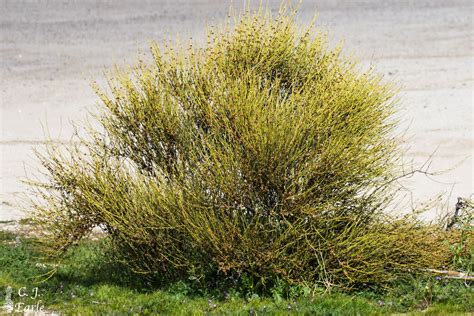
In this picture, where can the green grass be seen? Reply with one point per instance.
(85, 283)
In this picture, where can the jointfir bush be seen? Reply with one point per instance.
(265, 153)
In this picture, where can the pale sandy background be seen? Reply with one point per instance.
(50, 51)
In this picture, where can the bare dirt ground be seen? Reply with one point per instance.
(50, 51)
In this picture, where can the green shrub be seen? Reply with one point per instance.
(265, 154)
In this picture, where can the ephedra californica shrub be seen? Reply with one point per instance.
(265, 153)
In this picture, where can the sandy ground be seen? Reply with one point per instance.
(51, 50)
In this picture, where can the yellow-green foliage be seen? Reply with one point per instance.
(266, 153)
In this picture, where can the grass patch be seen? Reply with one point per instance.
(86, 282)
